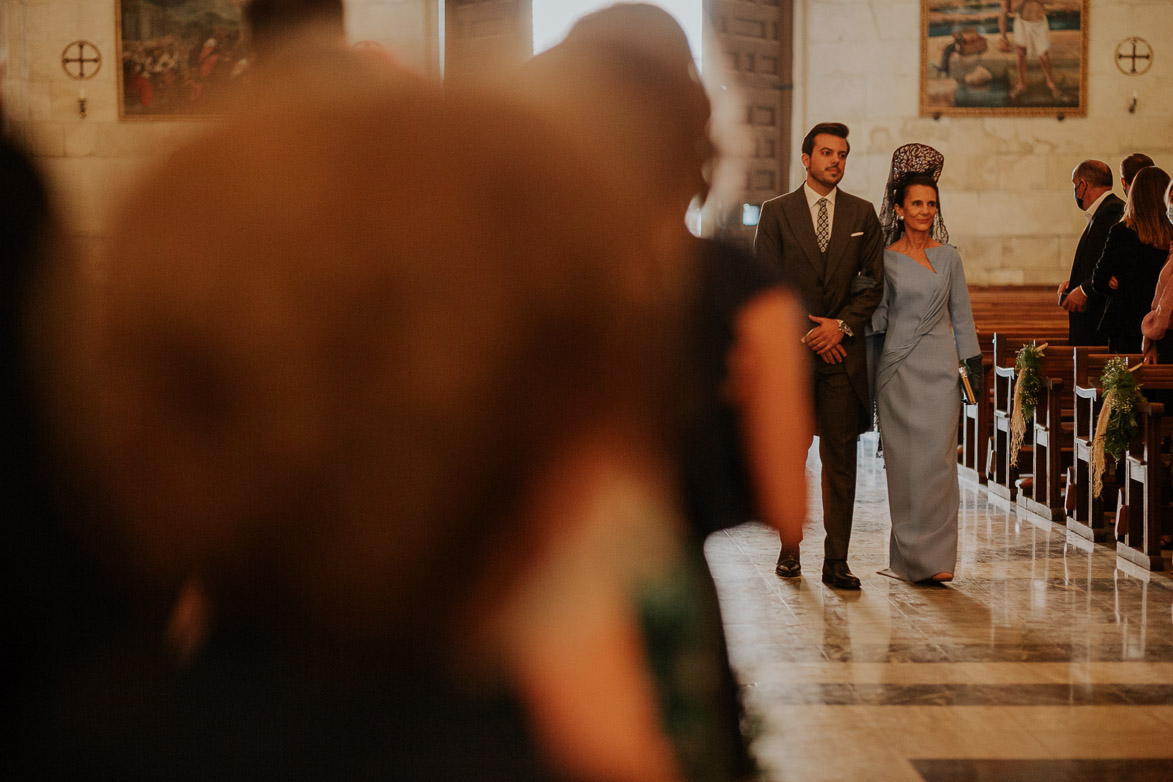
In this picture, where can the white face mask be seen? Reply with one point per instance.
(1169, 212)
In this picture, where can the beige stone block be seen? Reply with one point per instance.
(897, 20)
(841, 98)
(1035, 252)
(973, 245)
(39, 106)
(886, 98)
(87, 189)
(37, 27)
(46, 140)
(881, 137)
(80, 139)
(1024, 214)
(63, 16)
(973, 172)
(44, 60)
(926, 130)
(840, 22)
(993, 276)
(1021, 172)
(963, 211)
(1044, 276)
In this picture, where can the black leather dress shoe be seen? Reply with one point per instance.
(838, 575)
(788, 566)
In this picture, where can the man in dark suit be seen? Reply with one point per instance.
(1092, 180)
(828, 247)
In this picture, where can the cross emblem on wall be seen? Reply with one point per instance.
(77, 58)
(1134, 56)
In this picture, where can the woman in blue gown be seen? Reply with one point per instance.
(927, 321)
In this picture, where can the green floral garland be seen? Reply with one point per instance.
(1117, 379)
(1027, 367)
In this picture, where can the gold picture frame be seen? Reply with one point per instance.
(177, 56)
(973, 53)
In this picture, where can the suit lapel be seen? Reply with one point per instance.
(840, 230)
(798, 218)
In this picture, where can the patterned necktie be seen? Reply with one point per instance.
(823, 232)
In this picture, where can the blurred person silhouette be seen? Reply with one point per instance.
(366, 469)
(623, 84)
(47, 585)
(270, 22)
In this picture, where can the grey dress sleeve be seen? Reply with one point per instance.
(960, 312)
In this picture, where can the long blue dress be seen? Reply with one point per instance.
(928, 323)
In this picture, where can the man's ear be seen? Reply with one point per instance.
(806, 160)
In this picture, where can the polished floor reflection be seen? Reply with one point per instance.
(1044, 651)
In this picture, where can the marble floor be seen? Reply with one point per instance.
(1045, 659)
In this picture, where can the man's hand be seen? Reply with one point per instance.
(824, 335)
(833, 355)
(1076, 300)
(1149, 348)
(1062, 289)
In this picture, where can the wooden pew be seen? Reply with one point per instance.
(1002, 475)
(976, 426)
(1052, 433)
(1027, 310)
(1146, 508)
(1088, 515)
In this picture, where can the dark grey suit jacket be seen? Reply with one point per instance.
(848, 285)
(1083, 327)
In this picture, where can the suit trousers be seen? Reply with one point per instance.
(837, 414)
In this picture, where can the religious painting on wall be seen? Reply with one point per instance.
(178, 57)
(1003, 57)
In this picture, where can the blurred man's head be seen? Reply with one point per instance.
(340, 336)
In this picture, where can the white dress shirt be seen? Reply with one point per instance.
(812, 201)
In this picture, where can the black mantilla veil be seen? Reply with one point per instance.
(906, 160)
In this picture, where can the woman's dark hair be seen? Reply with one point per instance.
(1144, 211)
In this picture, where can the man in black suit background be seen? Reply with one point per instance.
(1092, 180)
(828, 246)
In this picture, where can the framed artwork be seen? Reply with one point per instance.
(177, 56)
(1003, 57)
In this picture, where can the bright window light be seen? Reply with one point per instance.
(554, 18)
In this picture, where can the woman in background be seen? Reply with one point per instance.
(1155, 325)
(1133, 255)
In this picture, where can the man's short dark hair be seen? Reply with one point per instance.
(1130, 165)
(270, 19)
(1095, 172)
(831, 129)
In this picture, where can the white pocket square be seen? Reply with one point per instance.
(857, 233)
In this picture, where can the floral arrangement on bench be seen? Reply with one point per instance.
(1116, 424)
(1027, 385)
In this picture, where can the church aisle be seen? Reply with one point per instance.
(1043, 660)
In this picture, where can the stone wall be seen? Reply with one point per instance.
(1006, 189)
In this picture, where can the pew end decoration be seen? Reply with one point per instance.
(1116, 424)
(1026, 394)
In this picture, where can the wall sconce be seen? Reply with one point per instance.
(81, 60)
